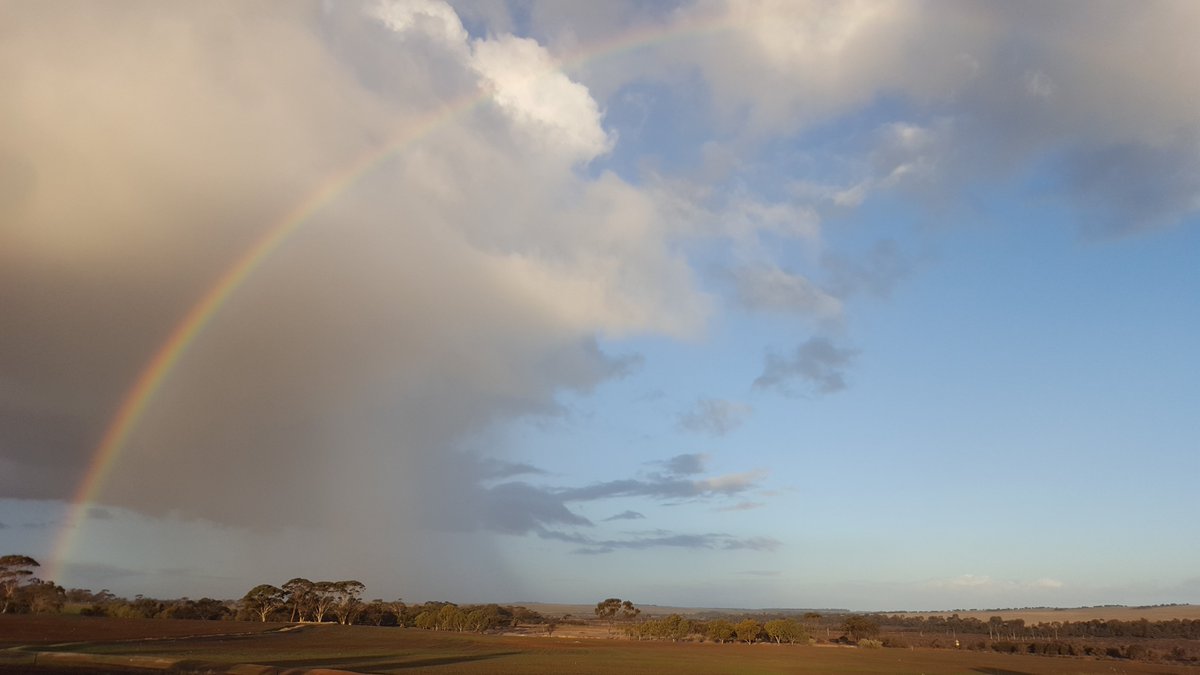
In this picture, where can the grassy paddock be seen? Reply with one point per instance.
(1032, 616)
(392, 650)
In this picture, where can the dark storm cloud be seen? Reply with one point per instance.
(370, 348)
(817, 363)
(518, 508)
(98, 575)
(357, 380)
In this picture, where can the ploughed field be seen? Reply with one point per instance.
(179, 646)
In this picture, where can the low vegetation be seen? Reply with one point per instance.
(303, 601)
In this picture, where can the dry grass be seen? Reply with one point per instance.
(392, 650)
(1032, 616)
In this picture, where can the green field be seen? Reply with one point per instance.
(396, 650)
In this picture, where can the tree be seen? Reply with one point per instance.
(719, 630)
(811, 619)
(324, 597)
(399, 609)
(299, 597)
(264, 599)
(15, 571)
(426, 620)
(346, 603)
(747, 630)
(994, 624)
(784, 630)
(629, 611)
(450, 617)
(860, 627)
(675, 627)
(379, 613)
(607, 609)
(43, 597)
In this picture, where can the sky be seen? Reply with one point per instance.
(713, 303)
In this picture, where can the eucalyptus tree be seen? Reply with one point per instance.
(263, 600)
(15, 572)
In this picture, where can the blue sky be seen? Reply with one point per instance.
(806, 304)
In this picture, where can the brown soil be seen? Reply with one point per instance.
(18, 630)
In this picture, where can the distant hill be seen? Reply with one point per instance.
(1033, 615)
(1029, 614)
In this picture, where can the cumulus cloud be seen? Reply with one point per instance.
(464, 280)
(973, 90)
(714, 417)
(552, 110)
(817, 363)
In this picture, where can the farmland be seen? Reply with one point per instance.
(182, 646)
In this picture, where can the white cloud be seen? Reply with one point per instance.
(552, 111)
(431, 17)
(997, 89)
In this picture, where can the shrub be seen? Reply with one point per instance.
(1006, 647)
(868, 643)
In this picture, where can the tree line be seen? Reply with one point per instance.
(297, 600)
(303, 600)
(998, 628)
(675, 628)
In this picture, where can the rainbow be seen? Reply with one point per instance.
(159, 367)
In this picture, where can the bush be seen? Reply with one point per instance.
(867, 643)
(1136, 651)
